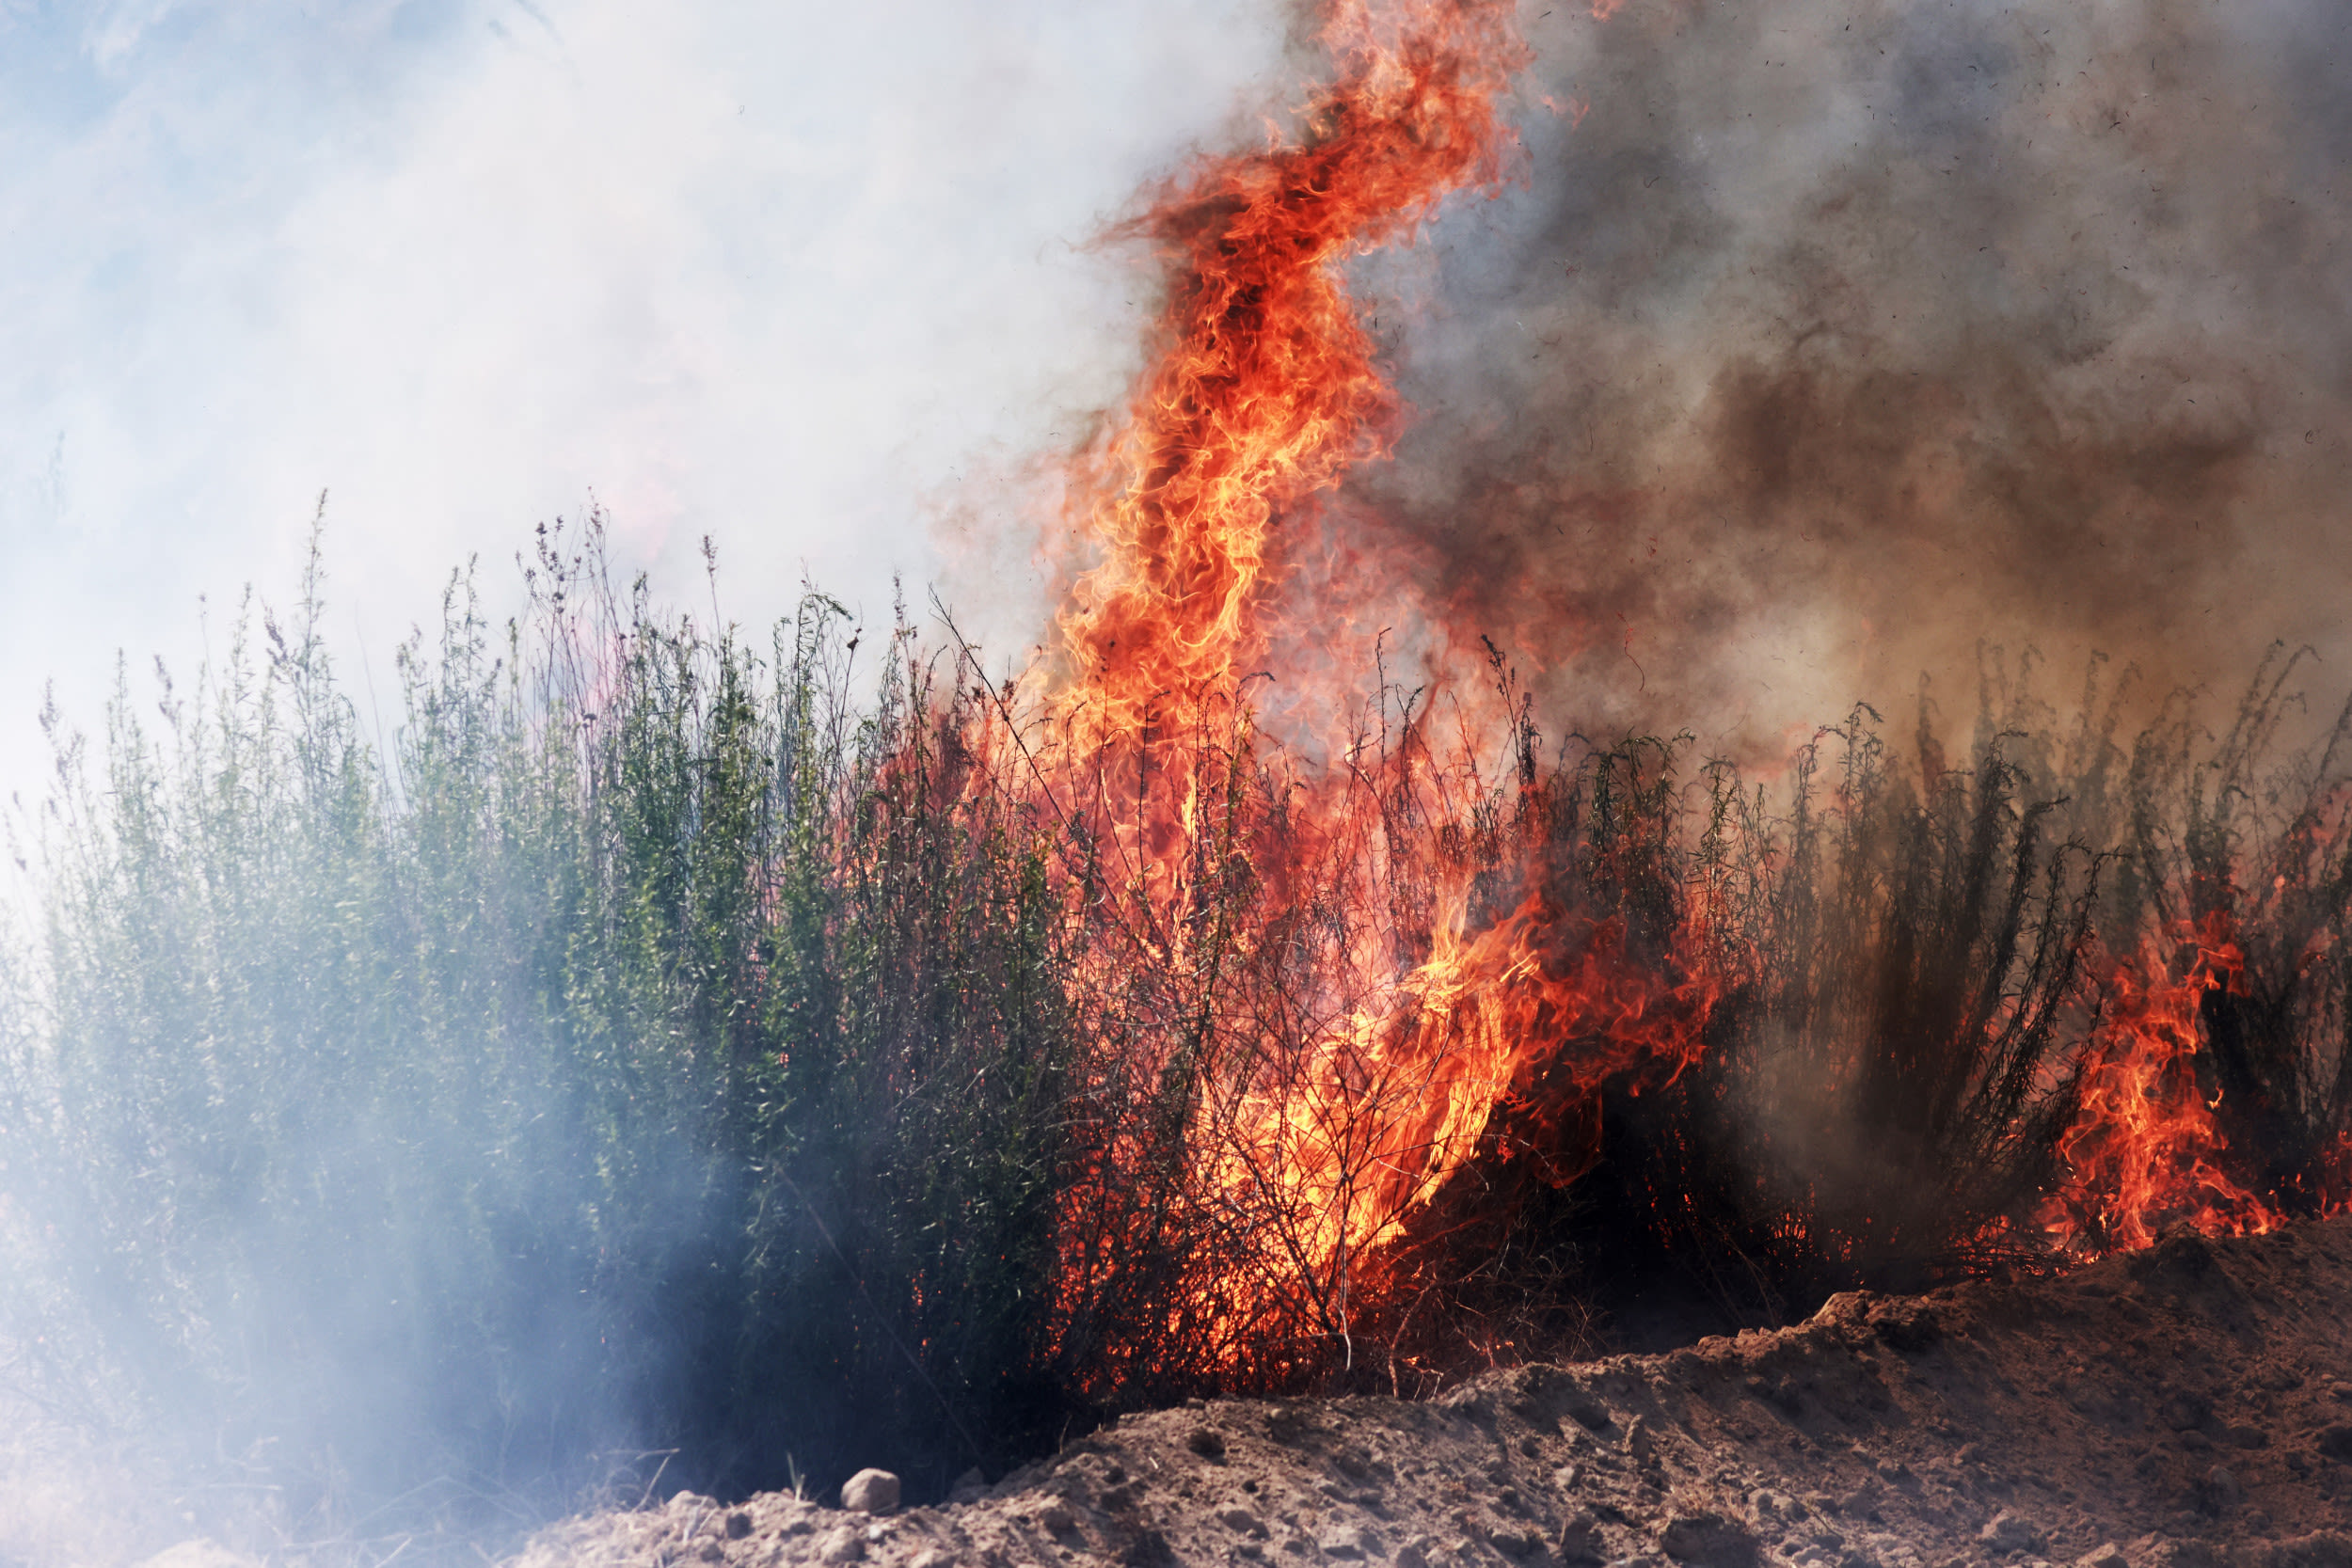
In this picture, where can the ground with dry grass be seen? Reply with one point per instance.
(2191, 1404)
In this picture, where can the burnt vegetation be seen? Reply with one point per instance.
(665, 1059)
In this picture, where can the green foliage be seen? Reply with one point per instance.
(641, 1050)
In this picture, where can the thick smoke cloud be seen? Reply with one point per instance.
(1821, 344)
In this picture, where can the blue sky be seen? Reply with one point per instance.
(807, 278)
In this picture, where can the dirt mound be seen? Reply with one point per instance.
(2189, 1405)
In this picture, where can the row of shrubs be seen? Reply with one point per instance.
(628, 1054)
(664, 1058)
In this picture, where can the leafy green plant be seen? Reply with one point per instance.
(661, 1043)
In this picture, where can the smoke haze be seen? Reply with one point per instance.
(1820, 345)
(778, 275)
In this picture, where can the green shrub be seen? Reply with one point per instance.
(660, 1060)
(641, 1051)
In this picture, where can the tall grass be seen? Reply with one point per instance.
(642, 1049)
(658, 1055)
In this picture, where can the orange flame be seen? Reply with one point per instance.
(1312, 1131)
(2141, 1151)
(1397, 1097)
(1317, 1141)
(1267, 391)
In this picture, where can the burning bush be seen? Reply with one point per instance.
(660, 1049)
(658, 1045)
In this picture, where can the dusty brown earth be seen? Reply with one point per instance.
(2190, 1405)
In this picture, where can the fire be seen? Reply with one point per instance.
(1320, 1123)
(1328, 991)
(1267, 391)
(2141, 1151)
(1395, 1099)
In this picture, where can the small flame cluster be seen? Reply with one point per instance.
(2140, 1152)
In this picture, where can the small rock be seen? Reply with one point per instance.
(1580, 1538)
(932, 1556)
(712, 1552)
(1513, 1543)
(870, 1492)
(1349, 1543)
(1709, 1538)
(2335, 1442)
(1414, 1552)
(969, 1487)
(739, 1525)
(2010, 1533)
(1241, 1519)
(1207, 1443)
(2240, 1436)
(1567, 1476)
(841, 1545)
(2218, 1491)
(1639, 1441)
(1056, 1519)
(2106, 1555)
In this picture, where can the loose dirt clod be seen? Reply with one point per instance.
(2079, 1420)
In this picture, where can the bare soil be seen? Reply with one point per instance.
(2190, 1405)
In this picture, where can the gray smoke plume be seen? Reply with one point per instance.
(1822, 345)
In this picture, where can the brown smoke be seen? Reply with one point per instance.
(1824, 343)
